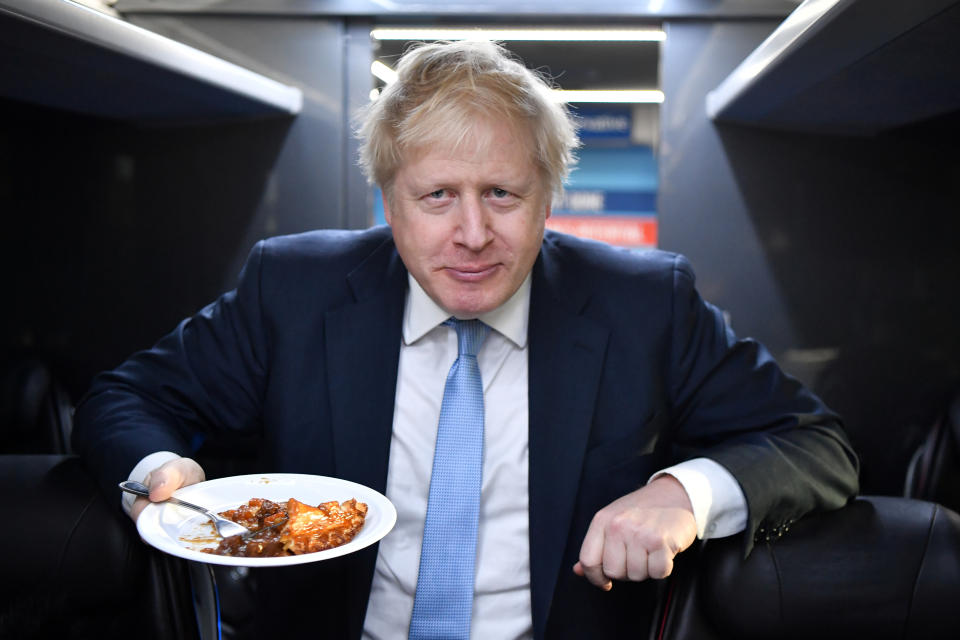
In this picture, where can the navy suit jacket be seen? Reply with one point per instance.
(629, 371)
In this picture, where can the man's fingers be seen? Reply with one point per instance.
(163, 482)
(138, 505)
(614, 559)
(637, 536)
(638, 565)
(591, 556)
(166, 479)
(169, 477)
(660, 563)
(597, 578)
(595, 575)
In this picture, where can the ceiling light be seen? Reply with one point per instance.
(383, 72)
(631, 96)
(543, 35)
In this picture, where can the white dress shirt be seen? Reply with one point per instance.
(501, 607)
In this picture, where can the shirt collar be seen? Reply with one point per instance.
(421, 314)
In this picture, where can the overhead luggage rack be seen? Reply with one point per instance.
(64, 55)
(848, 67)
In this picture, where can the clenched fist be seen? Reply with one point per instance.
(637, 536)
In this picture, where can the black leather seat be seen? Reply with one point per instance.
(934, 471)
(881, 567)
(73, 566)
(36, 412)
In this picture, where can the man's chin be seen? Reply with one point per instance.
(470, 306)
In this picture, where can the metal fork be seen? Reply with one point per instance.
(224, 527)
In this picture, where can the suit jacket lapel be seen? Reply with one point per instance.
(566, 359)
(363, 351)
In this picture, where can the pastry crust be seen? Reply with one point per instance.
(325, 526)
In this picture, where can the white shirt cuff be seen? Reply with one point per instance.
(139, 474)
(719, 506)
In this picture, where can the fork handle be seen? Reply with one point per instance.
(140, 489)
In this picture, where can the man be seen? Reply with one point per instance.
(599, 368)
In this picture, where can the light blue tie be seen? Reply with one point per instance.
(444, 599)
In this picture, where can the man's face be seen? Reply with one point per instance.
(468, 223)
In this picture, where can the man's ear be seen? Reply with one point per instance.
(387, 215)
(549, 211)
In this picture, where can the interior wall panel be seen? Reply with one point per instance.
(122, 229)
(306, 184)
(837, 252)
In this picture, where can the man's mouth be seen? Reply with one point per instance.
(471, 273)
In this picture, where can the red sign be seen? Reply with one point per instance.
(622, 231)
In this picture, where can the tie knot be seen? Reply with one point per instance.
(470, 335)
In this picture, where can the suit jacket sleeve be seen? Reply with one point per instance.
(206, 375)
(733, 404)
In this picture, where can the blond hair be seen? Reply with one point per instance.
(443, 89)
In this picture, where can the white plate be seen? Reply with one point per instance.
(182, 532)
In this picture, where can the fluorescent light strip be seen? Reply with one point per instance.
(542, 35)
(383, 72)
(630, 96)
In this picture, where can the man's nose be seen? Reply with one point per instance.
(474, 231)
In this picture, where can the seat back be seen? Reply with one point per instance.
(73, 565)
(36, 412)
(881, 567)
(934, 470)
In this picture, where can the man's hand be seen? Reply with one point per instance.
(166, 479)
(637, 536)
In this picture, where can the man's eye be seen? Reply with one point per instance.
(497, 192)
(439, 193)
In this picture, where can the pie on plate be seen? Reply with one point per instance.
(183, 533)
